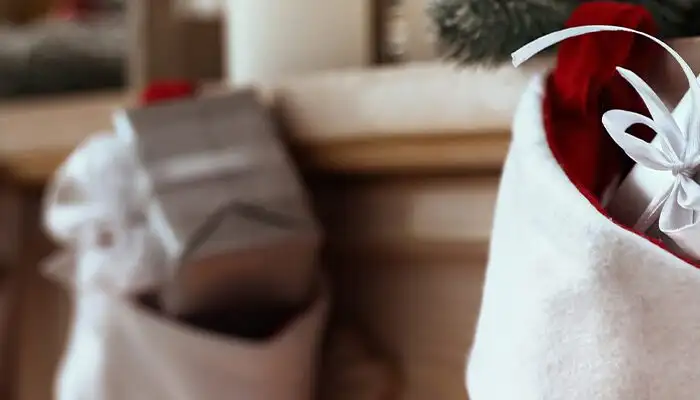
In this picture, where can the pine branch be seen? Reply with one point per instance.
(488, 31)
(670, 15)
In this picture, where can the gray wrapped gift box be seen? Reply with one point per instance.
(227, 201)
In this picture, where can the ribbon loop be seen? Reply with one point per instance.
(675, 150)
(96, 209)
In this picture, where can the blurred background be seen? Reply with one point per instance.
(54, 46)
(58, 46)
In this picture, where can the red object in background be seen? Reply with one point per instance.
(72, 9)
(161, 91)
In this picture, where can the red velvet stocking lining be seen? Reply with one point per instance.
(585, 84)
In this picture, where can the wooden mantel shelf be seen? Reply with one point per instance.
(332, 121)
(429, 117)
(36, 136)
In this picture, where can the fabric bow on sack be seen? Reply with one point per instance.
(677, 152)
(100, 207)
(96, 210)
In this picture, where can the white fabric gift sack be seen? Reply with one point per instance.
(121, 349)
(575, 306)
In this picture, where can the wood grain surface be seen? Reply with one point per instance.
(407, 255)
(37, 135)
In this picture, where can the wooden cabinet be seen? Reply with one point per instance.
(408, 255)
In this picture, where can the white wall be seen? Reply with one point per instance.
(420, 43)
(268, 40)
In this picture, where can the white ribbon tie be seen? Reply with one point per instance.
(676, 150)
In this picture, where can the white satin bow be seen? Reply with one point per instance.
(101, 207)
(95, 208)
(677, 152)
